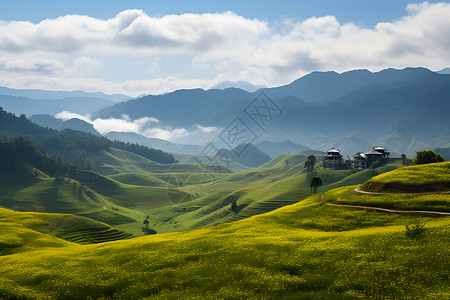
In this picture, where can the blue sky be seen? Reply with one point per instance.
(364, 12)
(136, 47)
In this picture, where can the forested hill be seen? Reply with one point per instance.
(72, 146)
(18, 154)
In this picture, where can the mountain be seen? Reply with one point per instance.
(243, 85)
(403, 141)
(57, 95)
(319, 87)
(182, 108)
(444, 71)
(23, 105)
(445, 152)
(317, 108)
(245, 154)
(275, 149)
(76, 147)
(131, 137)
(58, 124)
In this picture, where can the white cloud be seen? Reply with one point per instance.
(146, 127)
(84, 65)
(67, 115)
(230, 47)
(112, 124)
(132, 31)
(207, 129)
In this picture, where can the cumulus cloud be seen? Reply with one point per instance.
(229, 46)
(130, 30)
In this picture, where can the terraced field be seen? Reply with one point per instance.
(94, 236)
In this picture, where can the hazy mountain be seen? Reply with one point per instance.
(76, 147)
(131, 137)
(321, 87)
(181, 108)
(365, 107)
(243, 85)
(58, 124)
(53, 95)
(275, 149)
(23, 105)
(246, 154)
(444, 71)
(403, 141)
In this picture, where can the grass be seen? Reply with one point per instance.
(300, 251)
(417, 175)
(305, 250)
(255, 191)
(400, 201)
(26, 231)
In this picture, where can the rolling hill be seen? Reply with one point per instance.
(311, 249)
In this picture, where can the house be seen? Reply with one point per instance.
(333, 159)
(359, 161)
(363, 161)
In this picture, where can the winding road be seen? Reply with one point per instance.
(391, 210)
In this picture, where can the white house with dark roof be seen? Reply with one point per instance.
(365, 160)
(333, 159)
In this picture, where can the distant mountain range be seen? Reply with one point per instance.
(56, 95)
(353, 110)
(402, 110)
(23, 105)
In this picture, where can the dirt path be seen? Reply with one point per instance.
(377, 193)
(393, 210)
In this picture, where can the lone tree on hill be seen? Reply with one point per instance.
(427, 157)
(403, 159)
(234, 207)
(310, 163)
(312, 158)
(315, 183)
(145, 229)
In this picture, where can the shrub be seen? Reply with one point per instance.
(416, 230)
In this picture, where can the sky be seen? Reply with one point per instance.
(154, 47)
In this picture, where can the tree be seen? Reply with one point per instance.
(312, 158)
(427, 157)
(145, 229)
(315, 183)
(234, 207)
(59, 179)
(403, 159)
(310, 163)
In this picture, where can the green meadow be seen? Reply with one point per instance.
(81, 237)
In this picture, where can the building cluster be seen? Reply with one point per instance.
(361, 161)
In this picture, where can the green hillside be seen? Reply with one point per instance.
(307, 250)
(26, 231)
(256, 191)
(433, 177)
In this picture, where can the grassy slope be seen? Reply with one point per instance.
(42, 195)
(25, 231)
(419, 174)
(300, 251)
(255, 191)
